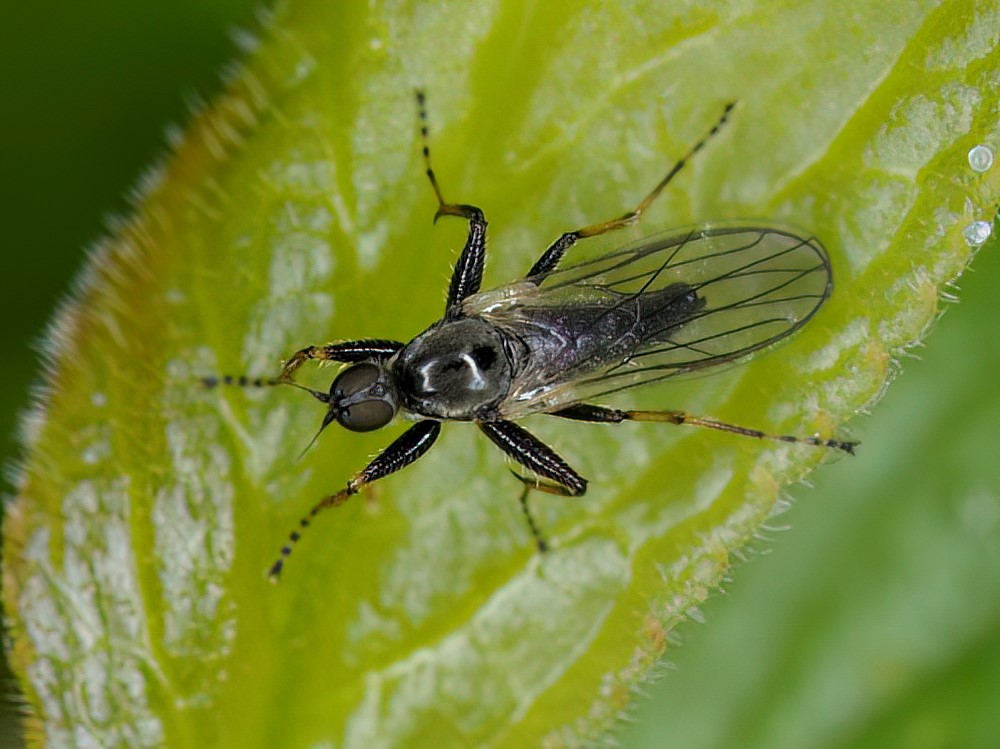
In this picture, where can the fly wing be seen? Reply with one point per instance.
(665, 306)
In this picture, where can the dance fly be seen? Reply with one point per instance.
(563, 337)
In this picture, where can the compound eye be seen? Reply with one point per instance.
(360, 398)
(353, 380)
(366, 415)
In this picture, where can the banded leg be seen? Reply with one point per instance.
(551, 257)
(467, 275)
(407, 448)
(523, 500)
(600, 414)
(541, 460)
(524, 447)
(348, 352)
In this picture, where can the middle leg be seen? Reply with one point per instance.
(467, 276)
(524, 447)
(551, 257)
(540, 459)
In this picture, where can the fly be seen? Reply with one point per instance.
(562, 337)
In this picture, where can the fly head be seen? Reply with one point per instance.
(362, 398)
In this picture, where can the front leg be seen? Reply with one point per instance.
(412, 444)
(348, 352)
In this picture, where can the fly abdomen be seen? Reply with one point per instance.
(635, 320)
(664, 311)
(604, 327)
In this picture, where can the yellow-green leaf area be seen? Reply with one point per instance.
(294, 211)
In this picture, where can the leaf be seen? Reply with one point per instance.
(295, 212)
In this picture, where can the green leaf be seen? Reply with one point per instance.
(294, 212)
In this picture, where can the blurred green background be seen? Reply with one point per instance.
(89, 89)
(874, 622)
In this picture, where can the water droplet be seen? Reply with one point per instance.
(977, 233)
(980, 158)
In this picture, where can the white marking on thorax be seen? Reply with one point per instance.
(478, 381)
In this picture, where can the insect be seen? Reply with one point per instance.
(561, 337)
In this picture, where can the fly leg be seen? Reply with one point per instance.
(410, 446)
(540, 459)
(602, 415)
(348, 352)
(523, 500)
(551, 257)
(467, 275)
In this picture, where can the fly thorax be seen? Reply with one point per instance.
(457, 369)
